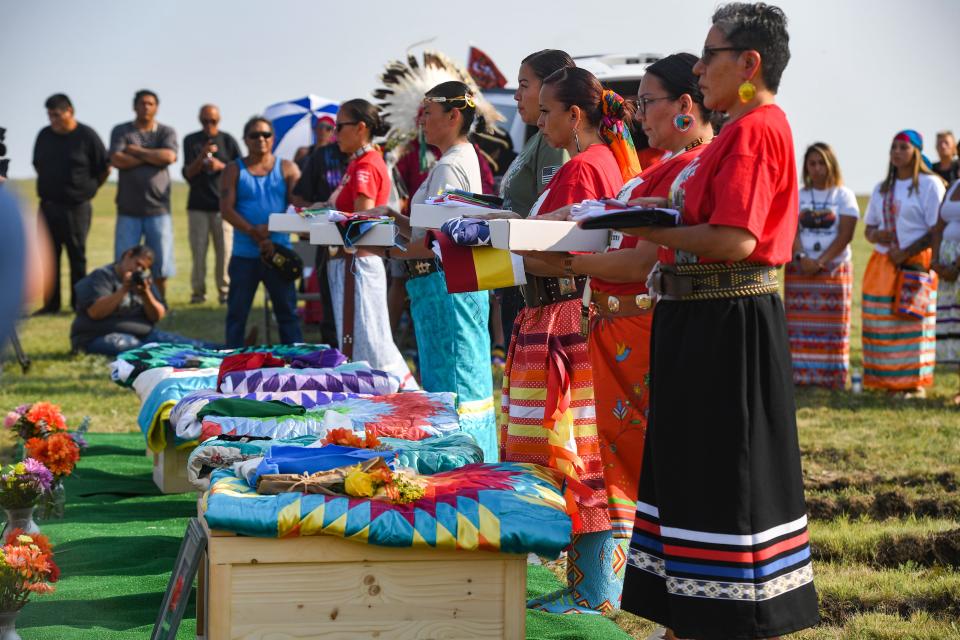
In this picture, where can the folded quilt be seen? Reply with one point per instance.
(185, 420)
(407, 415)
(507, 507)
(355, 377)
(427, 456)
(325, 358)
(164, 393)
(130, 364)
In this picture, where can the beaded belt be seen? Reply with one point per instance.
(540, 291)
(714, 281)
(612, 305)
(420, 268)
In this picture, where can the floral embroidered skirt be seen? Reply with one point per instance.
(720, 546)
(620, 354)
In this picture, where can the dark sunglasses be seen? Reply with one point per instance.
(709, 52)
(208, 121)
(341, 125)
(266, 135)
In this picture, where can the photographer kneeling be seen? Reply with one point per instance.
(118, 306)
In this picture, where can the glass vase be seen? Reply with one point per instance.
(51, 507)
(21, 518)
(8, 625)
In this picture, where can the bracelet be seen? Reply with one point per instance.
(568, 266)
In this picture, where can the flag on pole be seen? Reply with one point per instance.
(483, 71)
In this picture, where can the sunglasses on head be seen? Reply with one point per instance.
(253, 135)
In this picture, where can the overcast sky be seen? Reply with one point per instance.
(861, 69)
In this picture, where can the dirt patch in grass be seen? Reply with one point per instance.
(939, 548)
(884, 501)
(836, 611)
(946, 480)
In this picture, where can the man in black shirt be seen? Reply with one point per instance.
(322, 167)
(71, 164)
(206, 153)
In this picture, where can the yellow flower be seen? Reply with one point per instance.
(24, 539)
(19, 468)
(360, 484)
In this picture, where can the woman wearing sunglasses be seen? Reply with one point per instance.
(720, 546)
(251, 189)
(358, 281)
(452, 330)
(548, 415)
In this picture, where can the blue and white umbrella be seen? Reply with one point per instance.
(293, 122)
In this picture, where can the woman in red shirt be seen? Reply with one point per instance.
(720, 546)
(672, 115)
(548, 415)
(363, 328)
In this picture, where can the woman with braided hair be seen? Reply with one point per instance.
(548, 415)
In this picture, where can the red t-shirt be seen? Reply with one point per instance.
(746, 178)
(365, 176)
(590, 175)
(654, 182)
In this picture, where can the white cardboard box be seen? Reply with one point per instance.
(432, 216)
(326, 233)
(546, 235)
(288, 223)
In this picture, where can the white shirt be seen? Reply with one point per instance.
(458, 168)
(950, 212)
(817, 232)
(915, 210)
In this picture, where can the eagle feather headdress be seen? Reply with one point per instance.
(404, 86)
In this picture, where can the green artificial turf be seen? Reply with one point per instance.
(118, 540)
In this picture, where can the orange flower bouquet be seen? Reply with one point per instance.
(37, 420)
(58, 452)
(26, 568)
(348, 438)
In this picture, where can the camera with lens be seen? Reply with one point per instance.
(138, 278)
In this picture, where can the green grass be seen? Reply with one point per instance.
(882, 474)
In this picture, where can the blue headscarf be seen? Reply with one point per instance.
(914, 138)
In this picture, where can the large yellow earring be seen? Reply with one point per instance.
(747, 91)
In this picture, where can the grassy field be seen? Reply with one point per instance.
(882, 474)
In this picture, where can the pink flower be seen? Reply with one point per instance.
(11, 419)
